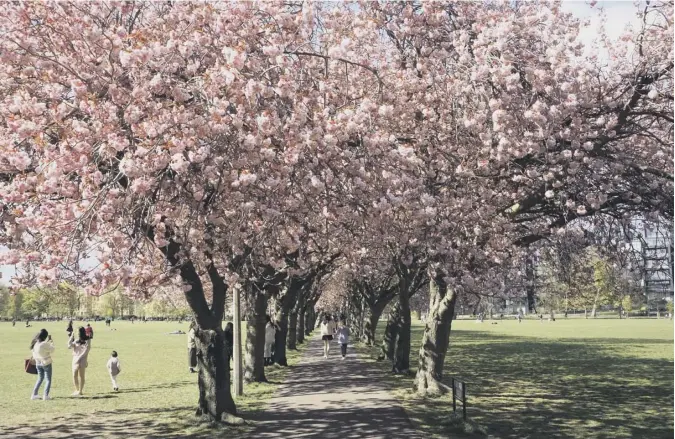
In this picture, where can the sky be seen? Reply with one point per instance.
(619, 14)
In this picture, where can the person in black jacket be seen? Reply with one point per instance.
(229, 340)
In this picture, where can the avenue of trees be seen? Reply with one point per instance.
(301, 151)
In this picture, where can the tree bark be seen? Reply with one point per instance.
(529, 275)
(371, 318)
(281, 319)
(215, 399)
(301, 327)
(284, 306)
(292, 330)
(401, 360)
(254, 368)
(390, 333)
(310, 318)
(436, 337)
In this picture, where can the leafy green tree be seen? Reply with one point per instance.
(35, 303)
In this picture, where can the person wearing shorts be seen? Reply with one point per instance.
(327, 331)
(80, 347)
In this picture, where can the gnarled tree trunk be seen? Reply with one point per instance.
(371, 318)
(310, 318)
(390, 333)
(254, 364)
(285, 304)
(281, 319)
(215, 399)
(436, 337)
(292, 330)
(301, 327)
(401, 360)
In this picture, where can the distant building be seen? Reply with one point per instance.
(654, 244)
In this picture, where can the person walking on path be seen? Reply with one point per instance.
(327, 331)
(270, 332)
(343, 338)
(114, 369)
(81, 348)
(42, 347)
(192, 348)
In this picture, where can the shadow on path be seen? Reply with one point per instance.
(332, 398)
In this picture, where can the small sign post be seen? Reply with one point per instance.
(459, 394)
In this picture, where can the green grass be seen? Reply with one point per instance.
(157, 394)
(565, 379)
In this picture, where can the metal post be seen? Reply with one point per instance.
(454, 399)
(464, 400)
(236, 317)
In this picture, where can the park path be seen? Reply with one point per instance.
(333, 398)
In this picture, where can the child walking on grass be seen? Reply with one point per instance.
(114, 369)
(343, 337)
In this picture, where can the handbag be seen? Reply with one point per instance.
(30, 367)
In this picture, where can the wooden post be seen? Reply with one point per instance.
(236, 317)
(454, 397)
(464, 400)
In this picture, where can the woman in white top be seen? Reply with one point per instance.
(81, 348)
(327, 330)
(42, 347)
(270, 332)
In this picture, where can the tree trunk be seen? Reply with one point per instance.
(529, 288)
(390, 334)
(371, 318)
(309, 321)
(215, 399)
(281, 319)
(292, 330)
(436, 337)
(284, 306)
(254, 368)
(301, 327)
(401, 361)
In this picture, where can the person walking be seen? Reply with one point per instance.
(81, 347)
(114, 369)
(270, 333)
(69, 329)
(192, 347)
(89, 331)
(327, 331)
(343, 337)
(42, 347)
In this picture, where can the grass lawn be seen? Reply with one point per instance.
(157, 394)
(565, 379)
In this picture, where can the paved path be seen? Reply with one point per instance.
(333, 399)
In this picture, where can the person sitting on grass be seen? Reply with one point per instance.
(42, 347)
(81, 348)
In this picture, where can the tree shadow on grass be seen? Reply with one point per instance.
(163, 423)
(522, 387)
